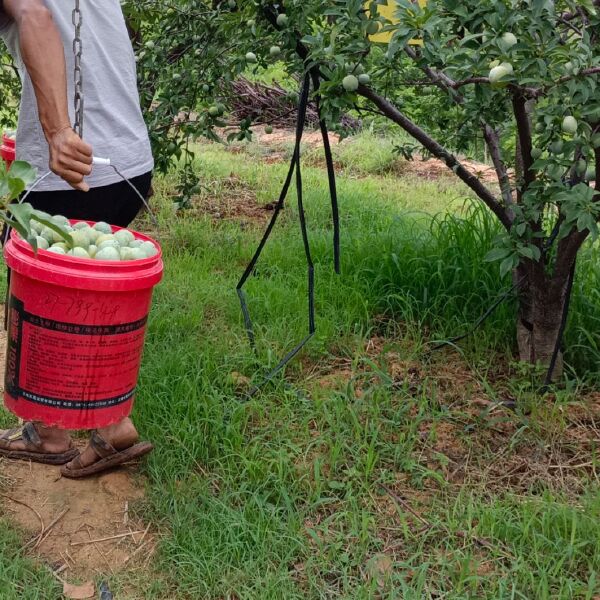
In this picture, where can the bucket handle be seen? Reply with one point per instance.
(104, 162)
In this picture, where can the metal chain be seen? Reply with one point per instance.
(78, 74)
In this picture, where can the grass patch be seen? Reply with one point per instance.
(282, 495)
(20, 578)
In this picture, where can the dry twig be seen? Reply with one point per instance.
(106, 539)
(37, 514)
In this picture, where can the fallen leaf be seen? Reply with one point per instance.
(79, 592)
(239, 380)
(380, 567)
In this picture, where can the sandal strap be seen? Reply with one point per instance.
(27, 432)
(76, 463)
(30, 435)
(100, 446)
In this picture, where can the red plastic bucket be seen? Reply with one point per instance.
(8, 150)
(75, 335)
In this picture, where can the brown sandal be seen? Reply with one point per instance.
(108, 455)
(28, 434)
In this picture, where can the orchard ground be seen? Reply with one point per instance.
(377, 468)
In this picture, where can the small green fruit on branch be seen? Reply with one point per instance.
(509, 40)
(498, 75)
(569, 125)
(350, 83)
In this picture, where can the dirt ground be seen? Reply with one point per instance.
(475, 444)
(79, 529)
(233, 199)
(430, 169)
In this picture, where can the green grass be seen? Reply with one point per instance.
(281, 496)
(20, 578)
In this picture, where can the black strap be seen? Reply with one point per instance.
(294, 168)
(100, 446)
(335, 212)
(30, 435)
(561, 329)
(488, 313)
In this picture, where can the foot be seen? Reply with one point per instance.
(35, 437)
(120, 436)
(35, 442)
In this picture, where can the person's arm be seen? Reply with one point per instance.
(43, 55)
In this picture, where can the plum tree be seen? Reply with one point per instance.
(548, 67)
(522, 74)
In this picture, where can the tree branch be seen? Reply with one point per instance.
(390, 111)
(490, 135)
(493, 144)
(567, 251)
(527, 91)
(584, 73)
(524, 133)
(439, 78)
(569, 25)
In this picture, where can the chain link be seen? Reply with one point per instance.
(78, 73)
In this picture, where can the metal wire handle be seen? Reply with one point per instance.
(105, 162)
(78, 72)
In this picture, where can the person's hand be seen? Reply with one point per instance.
(70, 158)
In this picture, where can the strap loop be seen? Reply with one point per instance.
(295, 168)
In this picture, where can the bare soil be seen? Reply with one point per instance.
(60, 518)
(233, 200)
(312, 139)
(91, 509)
(431, 169)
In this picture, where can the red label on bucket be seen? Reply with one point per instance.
(45, 349)
(71, 367)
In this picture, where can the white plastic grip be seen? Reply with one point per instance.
(101, 161)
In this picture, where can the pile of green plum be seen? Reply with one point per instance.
(98, 241)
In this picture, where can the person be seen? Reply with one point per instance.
(39, 35)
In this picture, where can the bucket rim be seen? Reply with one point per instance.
(85, 273)
(52, 257)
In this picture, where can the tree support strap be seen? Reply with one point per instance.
(561, 330)
(295, 168)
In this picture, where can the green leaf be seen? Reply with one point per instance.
(15, 188)
(22, 213)
(497, 254)
(507, 265)
(51, 225)
(3, 187)
(520, 229)
(22, 231)
(531, 252)
(23, 171)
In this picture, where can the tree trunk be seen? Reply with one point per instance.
(541, 307)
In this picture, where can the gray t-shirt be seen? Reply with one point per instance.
(113, 119)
